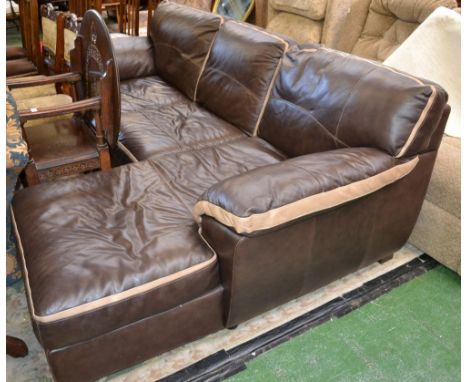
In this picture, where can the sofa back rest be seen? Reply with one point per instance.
(390, 22)
(240, 73)
(182, 38)
(325, 99)
(302, 20)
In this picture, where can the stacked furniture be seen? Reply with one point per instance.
(368, 28)
(261, 172)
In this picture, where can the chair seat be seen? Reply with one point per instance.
(59, 142)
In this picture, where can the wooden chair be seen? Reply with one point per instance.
(132, 19)
(71, 27)
(69, 146)
(52, 38)
(29, 24)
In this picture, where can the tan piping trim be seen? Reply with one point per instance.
(286, 44)
(418, 124)
(275, 74)
(221, 21)
(425, 111)
(306, 206)
(267, 97)
(127, 152)
(84, 308)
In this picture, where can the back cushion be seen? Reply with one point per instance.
(240, 73)
(182, 37)
(325, 99)
(390, 22)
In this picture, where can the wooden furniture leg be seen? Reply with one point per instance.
(16, 347)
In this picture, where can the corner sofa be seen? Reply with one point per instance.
(261, 171)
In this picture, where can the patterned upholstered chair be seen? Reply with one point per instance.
(16, 160)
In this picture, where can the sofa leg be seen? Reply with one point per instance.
(232, 327)
(385, 259)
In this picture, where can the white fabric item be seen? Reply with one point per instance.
(433, 51)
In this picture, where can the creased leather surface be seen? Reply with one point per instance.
(134, 55)
(294, 179)
(324, 99)
(182, 38)
(238, 74)
(261, 272)
(157, 118)
(104, 233)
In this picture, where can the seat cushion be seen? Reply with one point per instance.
(157, 118)
(61, 141)
(106, 249)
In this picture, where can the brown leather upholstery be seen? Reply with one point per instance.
(182, 38)
(156, 118)
(321, 102)
(264, 271)
(117, 269)
(139, 230)
(298, 187)
(135, 57)
(139, 341)
(246, 69)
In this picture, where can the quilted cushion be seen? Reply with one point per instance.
(390, 22)
(313, 9)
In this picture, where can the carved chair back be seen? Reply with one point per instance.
(94, 57)
(52, 37)
(71, 27)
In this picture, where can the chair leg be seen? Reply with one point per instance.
(385, 259)
(16, 347)
(104, 157)
(32, 177)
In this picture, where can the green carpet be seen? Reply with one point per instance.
(410, 334)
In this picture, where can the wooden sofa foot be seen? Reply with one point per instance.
(232, 327)
(385, 259)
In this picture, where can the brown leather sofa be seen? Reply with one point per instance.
(262, 171)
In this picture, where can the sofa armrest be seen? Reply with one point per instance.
(134, 55)
(275, 195)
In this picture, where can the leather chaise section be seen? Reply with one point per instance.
(158, 119)
(122, 244)
(321, 102)
(281, 193)
(182, 38)
(240, 74)
(110, 236)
